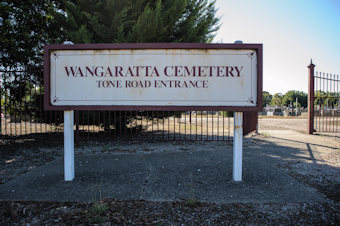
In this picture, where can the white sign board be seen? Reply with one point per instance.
(164, 76)
(153, 77)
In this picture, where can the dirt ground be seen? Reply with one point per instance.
(298, 124)
(320, 171)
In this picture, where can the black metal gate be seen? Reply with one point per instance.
(324, 102)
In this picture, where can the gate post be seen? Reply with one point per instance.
(311, 98)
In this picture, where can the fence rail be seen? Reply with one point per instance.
(22, 114)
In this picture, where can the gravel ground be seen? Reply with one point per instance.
(113, 212)
(324, 177)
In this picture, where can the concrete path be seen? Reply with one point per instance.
(196, 173)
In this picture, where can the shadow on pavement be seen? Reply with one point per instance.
(202, 172)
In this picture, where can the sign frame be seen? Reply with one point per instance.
(149, 46)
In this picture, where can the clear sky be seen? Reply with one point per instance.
(291, 31)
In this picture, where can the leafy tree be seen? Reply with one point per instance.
(277, 99)
(25, 27)
(326, 99)
(290, 97)
(266, 98)
(121, 21)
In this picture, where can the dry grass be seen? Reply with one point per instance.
(200, 125)
(27, 128)
(206, 125)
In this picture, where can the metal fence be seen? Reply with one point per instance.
(324, 96)
(23, 114)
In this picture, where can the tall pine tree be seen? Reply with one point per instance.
(142, 21)
(120, 21)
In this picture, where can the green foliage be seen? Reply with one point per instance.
(322, 98)
(266, 98)
(330, 99)
(290, 97)
(277, 99)
(191, 202)
(97, 213)
(121, 21)
(228, 113)
(99, 207)
(284, 100)
(20, 97)
(25, 27)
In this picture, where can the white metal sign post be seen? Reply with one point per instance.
(237, 146)
(164, 76)
(68, 145)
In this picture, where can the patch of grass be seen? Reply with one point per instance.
(98, 208)
(191, 202)
(265, 134)
(187, 128)
(105, 148)
(97, 213)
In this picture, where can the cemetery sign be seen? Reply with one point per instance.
(183, 76)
